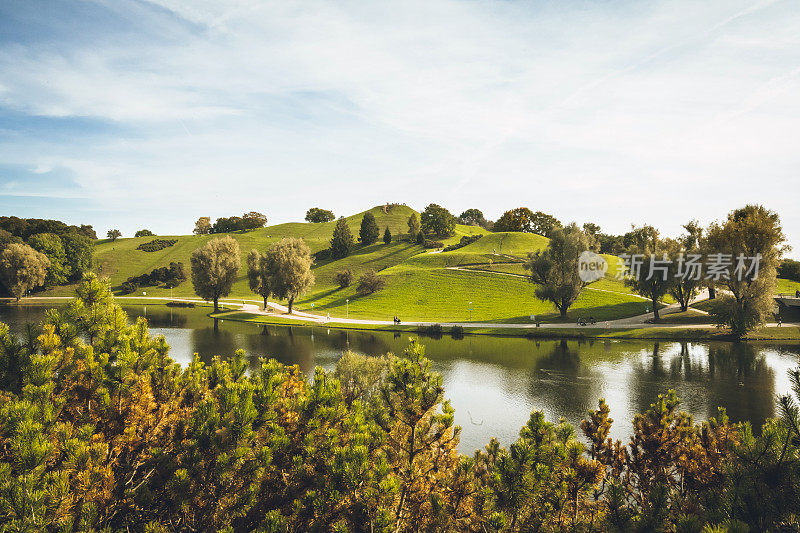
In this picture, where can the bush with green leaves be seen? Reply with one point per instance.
(369, 282)
(156, 245)
(344, 278)
(466, 240)
(171, 276)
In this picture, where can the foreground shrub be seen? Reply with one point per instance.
(102, 431)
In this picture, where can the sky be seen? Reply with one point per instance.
(134, 114)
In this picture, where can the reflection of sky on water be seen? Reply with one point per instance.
(494, 383)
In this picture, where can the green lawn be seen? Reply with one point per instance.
(787, 286)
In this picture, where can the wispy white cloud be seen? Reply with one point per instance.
(611, 111)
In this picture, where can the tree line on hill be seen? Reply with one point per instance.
(434, 223)
(103, 431)
(749, 242)
(246, 222)
(37, 253)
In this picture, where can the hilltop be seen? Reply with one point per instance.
(481, 281)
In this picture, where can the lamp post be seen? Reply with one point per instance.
(469, 308)
(347, 301)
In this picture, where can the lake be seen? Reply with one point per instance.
(495, 382)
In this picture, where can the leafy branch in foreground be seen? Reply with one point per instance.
(100, 430)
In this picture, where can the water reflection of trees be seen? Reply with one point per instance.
(562, 384)
(735, 376)
(743, 382)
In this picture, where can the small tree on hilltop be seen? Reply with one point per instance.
(114, 234)
(315, 214)
(289, 269)
(544, 224)
(202, 226)
(214, 268)
(22, 269)
(387, 236)
(413, 227)
(369, 230)
(438, 221)
(472, 217)
(144, 233)
(258, 275)
(555, 269)
(342, 241)
(253, 220)
(517, 219)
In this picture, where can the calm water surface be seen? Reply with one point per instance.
(493, 383)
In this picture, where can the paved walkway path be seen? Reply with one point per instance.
(281, 311)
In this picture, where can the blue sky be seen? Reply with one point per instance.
(137, 114)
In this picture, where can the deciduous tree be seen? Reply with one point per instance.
(52, 247)
(114, 234)
(215, 267)
(258, 275)
(202, 226)
(544, 224)
(472, 217)
(437, 221)
(78, 249)
(751, 239)
(518, 219)
(316, 214)
(288, 265)
(22, 269)
(253, 220)
(555, 269)
(656, 275)
(685, 253)
(413, 227)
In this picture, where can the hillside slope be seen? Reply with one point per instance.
(470, 283)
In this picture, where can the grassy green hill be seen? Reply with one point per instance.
(420, 284)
